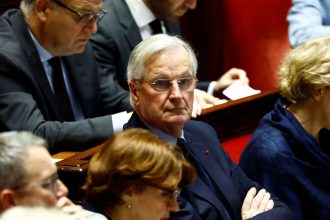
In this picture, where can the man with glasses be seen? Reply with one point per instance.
(29, 178)
(162, 78)
(50, 83)
(131, 21)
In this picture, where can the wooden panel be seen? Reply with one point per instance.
(240, 116)
(72, 171)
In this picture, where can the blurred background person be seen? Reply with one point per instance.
(286, 154)
(131, 21)
(137, 176)
(162, 78)
(308, 19)
(29, 178)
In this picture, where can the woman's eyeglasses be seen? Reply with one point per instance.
(170, 195)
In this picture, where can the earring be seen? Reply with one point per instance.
(129, 206)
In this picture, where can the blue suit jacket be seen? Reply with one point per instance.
(198, 201)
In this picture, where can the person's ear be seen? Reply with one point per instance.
(7, 199)
(133, 90)
(318, 93)
(127, 197)
(41, 9)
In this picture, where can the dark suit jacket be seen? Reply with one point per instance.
(198, 201)
(26, 99)
(117, 36)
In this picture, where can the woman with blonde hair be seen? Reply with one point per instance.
(138, 176)
(289, 154)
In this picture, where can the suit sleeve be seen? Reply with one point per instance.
(23, 107)
(243, 184)
(280, 210)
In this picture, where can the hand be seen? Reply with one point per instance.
(255, 204)
(229, 78)
(203, 100)
(67, 206)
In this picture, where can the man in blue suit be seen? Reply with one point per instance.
(162, 78)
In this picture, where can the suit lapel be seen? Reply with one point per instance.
(199, 188)
(127, 22)
(215, 172)
(34, 66)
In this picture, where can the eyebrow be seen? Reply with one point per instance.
(50, 177)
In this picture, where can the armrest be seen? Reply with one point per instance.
(72, 171)
(241, 116)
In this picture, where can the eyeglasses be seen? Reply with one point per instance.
(163, 85)
(49, 184)
(84, 19)
(170, 195)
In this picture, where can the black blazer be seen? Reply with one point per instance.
(27, 102)
(198, 201)
(117, 36)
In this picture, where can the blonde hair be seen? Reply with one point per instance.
(132, 160)
(305, 68)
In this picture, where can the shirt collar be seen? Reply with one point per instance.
(43, 53)
(163, 135)
(141, 13)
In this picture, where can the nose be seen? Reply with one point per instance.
(61, 189)
(173, 205)
(175, 92)
(191, 4)
(91, 27)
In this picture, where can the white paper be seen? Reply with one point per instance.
(55, 160)
(237, 90)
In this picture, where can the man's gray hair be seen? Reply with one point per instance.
(27, 6)
(13, 147)
(151, 46)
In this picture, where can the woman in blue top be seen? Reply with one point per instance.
(288, 154)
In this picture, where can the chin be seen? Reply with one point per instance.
(179, 120)
(79, 50)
